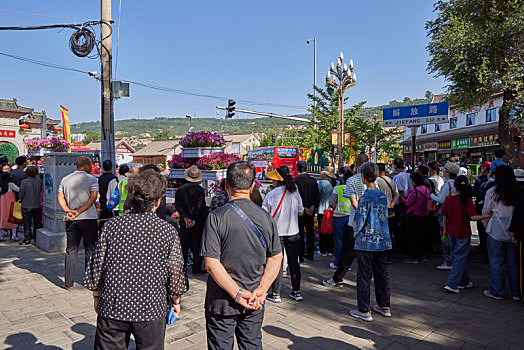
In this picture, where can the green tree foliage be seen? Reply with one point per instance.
(428, 95)
(162, 135)
(362, 129)
(478, 47)
(91, 136)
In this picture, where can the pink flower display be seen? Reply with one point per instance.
(178, 162)
(202, 139)
(216, 161)
(54, 144)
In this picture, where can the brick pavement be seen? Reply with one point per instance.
(36, 314)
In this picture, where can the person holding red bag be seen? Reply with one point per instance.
(325, 187)
(285, 206)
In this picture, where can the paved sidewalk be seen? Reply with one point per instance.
(36, 314)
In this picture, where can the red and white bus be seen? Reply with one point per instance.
(268, 158)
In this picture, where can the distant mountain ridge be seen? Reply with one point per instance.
(179, 126)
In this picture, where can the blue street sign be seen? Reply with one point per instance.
(431, 113)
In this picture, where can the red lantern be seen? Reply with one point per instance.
(24, 126)
(58, 128)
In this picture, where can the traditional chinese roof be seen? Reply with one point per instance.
(158, 148)
(33, 119)
(12, 105)
(97, 144)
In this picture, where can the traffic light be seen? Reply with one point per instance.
(230, 109)
(274, 138)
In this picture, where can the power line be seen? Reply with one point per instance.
(154, 87)
(38, 14)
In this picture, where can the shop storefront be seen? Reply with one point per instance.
(443, 151)
(430, 151)
(482, 147)
(460, 149)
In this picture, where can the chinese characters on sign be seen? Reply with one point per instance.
(430, 113)
(432, 146)
(8, 133)
(444, 144)
(334, 138)
(462, 143)
(484, 140)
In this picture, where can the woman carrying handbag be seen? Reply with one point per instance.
(285, 206)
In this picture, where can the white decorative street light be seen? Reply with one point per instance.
(341, 79)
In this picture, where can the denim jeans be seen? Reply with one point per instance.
(498, 251)
(459, 248)
(339, 222)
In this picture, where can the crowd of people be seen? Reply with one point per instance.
(137, 255)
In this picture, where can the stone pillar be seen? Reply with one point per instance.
(52, 237)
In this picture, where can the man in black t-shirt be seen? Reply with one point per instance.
(243, 257)
(103, 184)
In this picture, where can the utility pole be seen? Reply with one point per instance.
(106, 56)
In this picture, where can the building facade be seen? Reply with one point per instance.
(12, 135)
(470, 136)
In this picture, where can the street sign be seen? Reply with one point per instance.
(431, 113)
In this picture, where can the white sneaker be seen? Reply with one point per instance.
(469, 285)
(384, 311)
(333, 266)
(331, 283)
(444, 267)
(365, 316)
(452, 290)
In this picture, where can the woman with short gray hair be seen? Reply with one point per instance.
(372, 241)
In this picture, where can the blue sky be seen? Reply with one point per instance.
(250, 50)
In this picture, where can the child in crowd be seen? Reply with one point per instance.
(457, 212)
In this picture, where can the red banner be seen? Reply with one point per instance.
(8, 133)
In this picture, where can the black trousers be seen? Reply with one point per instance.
(246, 328)
(33, 215)
(325, 242)
(347, 254)
(415, 228)
(306, 227)
(114, 335)
(105, 215)
(76, 230)
(291, 244)
(372, 264)
(483, 236)
(190, 238)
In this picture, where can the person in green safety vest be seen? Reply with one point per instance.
(119, 195)
(342, 207)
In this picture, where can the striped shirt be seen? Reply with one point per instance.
(354, 188)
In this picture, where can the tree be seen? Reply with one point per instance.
(428, 95)
(478, 47)
(91, 136)
(162, 135)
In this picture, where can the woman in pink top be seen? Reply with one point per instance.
(417, 211)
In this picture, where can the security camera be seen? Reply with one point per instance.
(93, 73)
(307, 41)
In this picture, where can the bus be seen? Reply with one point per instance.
(268, 158)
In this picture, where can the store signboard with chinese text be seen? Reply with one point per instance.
(431, 146)
(484, 140)
(444, 145)
(407, 148)
(8, 133)
(462, 143)
(431, 113)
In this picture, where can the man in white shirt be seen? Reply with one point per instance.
(77, 194)
(434, 176)
(402, 179)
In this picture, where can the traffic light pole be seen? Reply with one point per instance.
(271, 115)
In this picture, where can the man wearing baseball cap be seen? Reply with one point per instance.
(450, 171)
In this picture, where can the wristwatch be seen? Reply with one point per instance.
(239, 295)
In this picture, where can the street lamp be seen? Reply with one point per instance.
(189, 127)
(314, 73)
(341, 78)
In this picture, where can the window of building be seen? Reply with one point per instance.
(437, 127)
(470, 119)
(491, 115)
(453, 123)
(423, 129)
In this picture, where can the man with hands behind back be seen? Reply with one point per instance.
(242, 253)
(77, 195)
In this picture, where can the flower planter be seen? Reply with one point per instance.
(199, 152)
(176, 173)
(35, 153)
(216, 175)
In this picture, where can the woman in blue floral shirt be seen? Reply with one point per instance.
(372, 241)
